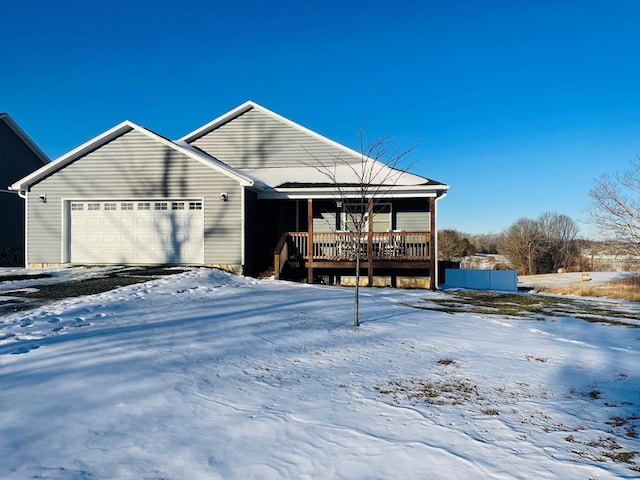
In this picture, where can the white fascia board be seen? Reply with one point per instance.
(25, 138)
(121, 128)
(331, 193)
(215, 123)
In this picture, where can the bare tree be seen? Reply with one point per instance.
(359, 186)
(541, 246)
(615, 206)
(523, 244)
(453, 245)
(560, 247)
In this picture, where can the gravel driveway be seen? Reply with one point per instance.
(23, 290)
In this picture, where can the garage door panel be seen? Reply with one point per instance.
(110, 238)
(143, 238)
(144, 221)
(135, 232)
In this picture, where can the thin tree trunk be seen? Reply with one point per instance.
(356, 300)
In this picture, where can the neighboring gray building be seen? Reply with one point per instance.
(224, 195)
(19, 156)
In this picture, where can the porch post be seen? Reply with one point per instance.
(310, 239)
(432, 243)
(370, 243)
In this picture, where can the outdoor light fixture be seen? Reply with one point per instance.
(224, 196)
(339, 203)
(42, 199)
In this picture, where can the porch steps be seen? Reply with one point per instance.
(268, 273)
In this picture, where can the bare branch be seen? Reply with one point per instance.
(615, 206)
(356, 180)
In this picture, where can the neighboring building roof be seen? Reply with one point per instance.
(4, 117)
(115, 132)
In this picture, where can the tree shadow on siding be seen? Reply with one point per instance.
(172, 184)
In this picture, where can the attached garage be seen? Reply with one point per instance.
(142, 231)
(132, 197)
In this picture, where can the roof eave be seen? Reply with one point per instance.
(418, 191)
(121, 128)
(221, 120)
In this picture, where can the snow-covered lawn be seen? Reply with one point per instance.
(205, 375)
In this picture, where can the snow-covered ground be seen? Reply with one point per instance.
(569, 279)
(205, 375)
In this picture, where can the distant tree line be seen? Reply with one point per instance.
(543, 245)
(549, 243)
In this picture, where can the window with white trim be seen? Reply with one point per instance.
(77, 206)
(354, 213)
(93, 206)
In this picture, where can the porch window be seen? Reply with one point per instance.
(354, 213)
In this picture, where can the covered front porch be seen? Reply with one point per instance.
(391, 253)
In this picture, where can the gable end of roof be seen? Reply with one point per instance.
(250, 105)
(112, 134)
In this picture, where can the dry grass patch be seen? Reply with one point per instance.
(532, 305)
(433, 391)
(445, 361)
(626, 288)
(613, 440)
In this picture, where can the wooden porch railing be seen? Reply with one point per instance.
(343, 247)
(281, 255)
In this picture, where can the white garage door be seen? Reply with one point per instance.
(136, 231)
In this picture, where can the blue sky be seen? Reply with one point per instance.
(517, 105)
